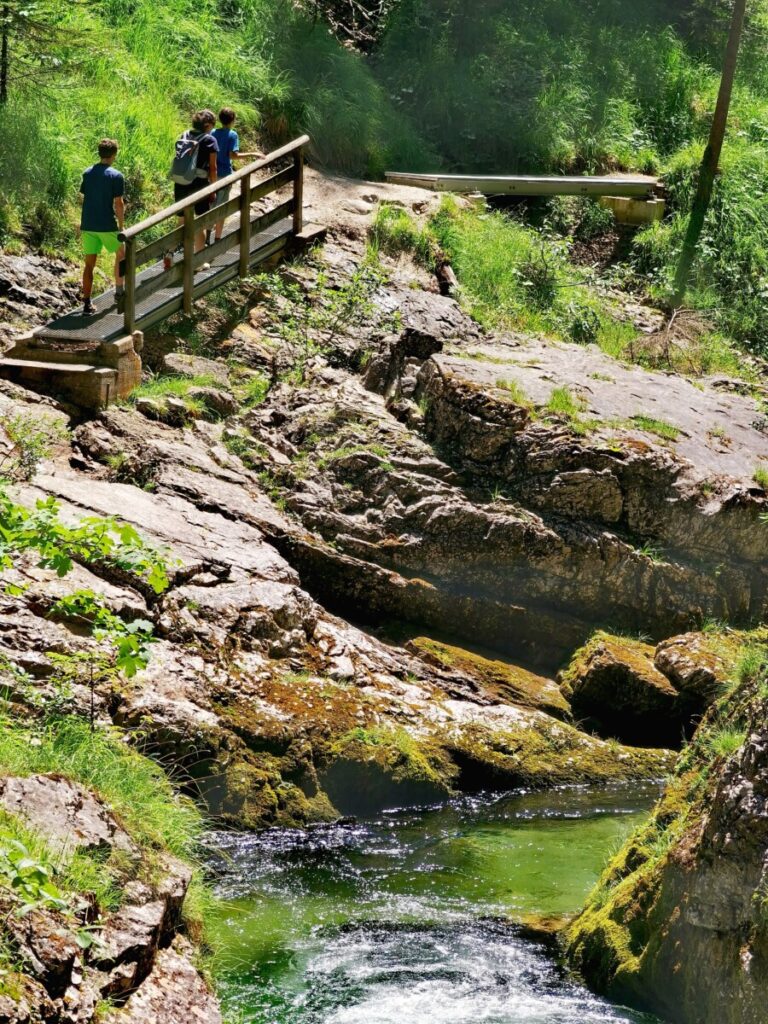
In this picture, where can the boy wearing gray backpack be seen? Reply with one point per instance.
(194, 165)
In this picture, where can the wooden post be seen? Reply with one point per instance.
(711, 160)
(245, 226)
(189, 257)
(298, 192)
(129, 310)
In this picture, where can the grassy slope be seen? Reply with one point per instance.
(489, 86)
(147, 65)
(540, 85)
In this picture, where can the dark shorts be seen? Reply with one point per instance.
(184, 191)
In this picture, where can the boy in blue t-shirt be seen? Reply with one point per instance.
(101, 195)
(229, 149)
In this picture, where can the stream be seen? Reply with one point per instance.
(398, 920)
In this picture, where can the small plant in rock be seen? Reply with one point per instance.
(760, 476)
(515, 392)
(311, 317)
(661, 428)
(29, 440)
(585, 324)
(725, 741)
(28, 878)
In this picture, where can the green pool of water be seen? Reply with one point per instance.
(397, 921)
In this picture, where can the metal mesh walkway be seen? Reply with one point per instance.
(107, 324)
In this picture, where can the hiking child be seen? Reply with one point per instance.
(194, 166)
(229, 149)
(103, 215)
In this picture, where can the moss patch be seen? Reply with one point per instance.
(499, 679)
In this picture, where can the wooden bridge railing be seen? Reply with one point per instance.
(182, 272)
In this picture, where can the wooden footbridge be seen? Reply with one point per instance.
(93, 360)
(627, 186)
(633, 198)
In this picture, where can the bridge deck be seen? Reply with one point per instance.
(625, 186)
(107, 324)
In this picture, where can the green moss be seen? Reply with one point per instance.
(498, 678)
(634, 653)
(399, 754)
(545, 753)
(618, 941)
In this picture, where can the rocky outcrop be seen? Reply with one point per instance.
(677, 923)
(253, 689)
(31, 288)
(647, 695)
(69, 961)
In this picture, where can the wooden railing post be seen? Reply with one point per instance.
(129, 310)
(298, 191)
(189, 257)
(245, 226)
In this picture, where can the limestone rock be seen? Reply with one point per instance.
(69, 816)
(614, 687)
(185, 365)
(219, 402)
(30, 1005)
(692, 665)
(173, 994)
(677, 924)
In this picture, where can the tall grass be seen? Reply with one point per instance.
(148, 66)
(136, 789)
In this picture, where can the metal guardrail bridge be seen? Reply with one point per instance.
(93, 360)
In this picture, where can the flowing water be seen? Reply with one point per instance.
(400, 920)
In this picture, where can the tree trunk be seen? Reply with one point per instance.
(4, 54)
(711, 160)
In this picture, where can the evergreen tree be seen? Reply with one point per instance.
(36, 42)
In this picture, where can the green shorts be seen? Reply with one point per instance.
(95, 241)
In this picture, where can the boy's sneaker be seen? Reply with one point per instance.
(88, 308)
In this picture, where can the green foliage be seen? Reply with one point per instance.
(760, 476)
(28, 877)
(130, 641)
(515, 392)
(724, 741)
(143, 68)
(92, 540)
(136, 788)
(563, 402)
(661, 428)
(395, 231)
(730, 280)
(514, 277)
(30, 439)
(310, 318)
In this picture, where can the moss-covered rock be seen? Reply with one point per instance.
(677, 922)
(499, 679)
(615, 688)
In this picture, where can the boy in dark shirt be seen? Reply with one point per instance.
(207, 151)
(103, 215)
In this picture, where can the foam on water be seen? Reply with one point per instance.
(399, 921)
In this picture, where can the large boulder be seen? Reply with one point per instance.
(615, 688)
